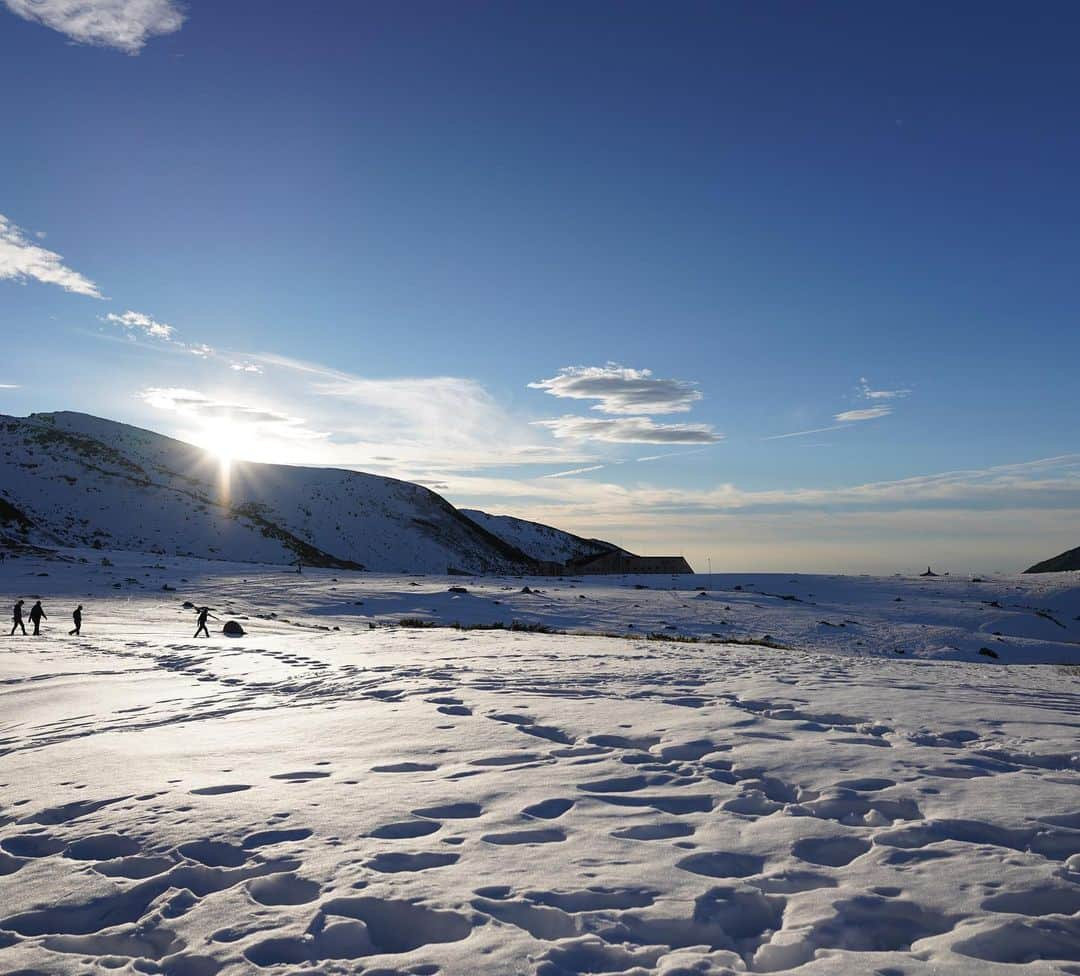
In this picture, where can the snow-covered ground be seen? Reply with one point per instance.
(333, 794)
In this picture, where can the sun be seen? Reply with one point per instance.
(225, 440)
(224, 452)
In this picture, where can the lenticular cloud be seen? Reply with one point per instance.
(620, 389)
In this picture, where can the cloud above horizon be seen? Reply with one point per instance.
(122, 24)
(621, 390)
(629, 430)
(21, 260)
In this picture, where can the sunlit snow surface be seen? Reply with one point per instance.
(397, 800)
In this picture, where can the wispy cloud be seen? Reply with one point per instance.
(21, 259)
(141, 322)
(123, 24)
(204, 406)
(629, 430)
(867, 413)
(621, 390)
(245, 368)
(411, 427)
(846, 418)
(135, 322)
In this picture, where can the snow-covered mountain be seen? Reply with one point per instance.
(71, 479)
(543, 542)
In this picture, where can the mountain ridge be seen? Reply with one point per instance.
(72, 479)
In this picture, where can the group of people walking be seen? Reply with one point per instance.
(37, 614)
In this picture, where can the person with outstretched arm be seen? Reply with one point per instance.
(16, 616)
(204, 612)
(37, 614)
(76, 617)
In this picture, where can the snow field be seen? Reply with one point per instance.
(431, 800)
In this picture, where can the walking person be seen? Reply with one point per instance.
(16, 616)
(76, 617)
(204, 612)
(37, 614)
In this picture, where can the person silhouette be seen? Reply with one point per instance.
(76, 616)
(37, 614)
(16, 616)
(204, 612)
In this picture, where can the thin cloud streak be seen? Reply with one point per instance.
(573, 471)
(804, 433)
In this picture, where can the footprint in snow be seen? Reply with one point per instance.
(103, 847)
(406, 767)
(722, 864)
(220, 790)
(395, 863)
(833, 852)
(658, 831)
(135, 868)
(548, 809)
(283, 889)
(32, 845)
(264, 838)
(549, 835)
(450, 811)
(213, 853)
(405, 829)
(512, 759)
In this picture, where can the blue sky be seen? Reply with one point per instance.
(481, 245)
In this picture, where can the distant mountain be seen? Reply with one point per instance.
(537, 540)
(69, 479)
(1062, 563)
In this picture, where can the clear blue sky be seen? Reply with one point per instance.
(355, 234)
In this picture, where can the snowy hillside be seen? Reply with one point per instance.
(540, 541)
(76, 480)
(327, 796)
